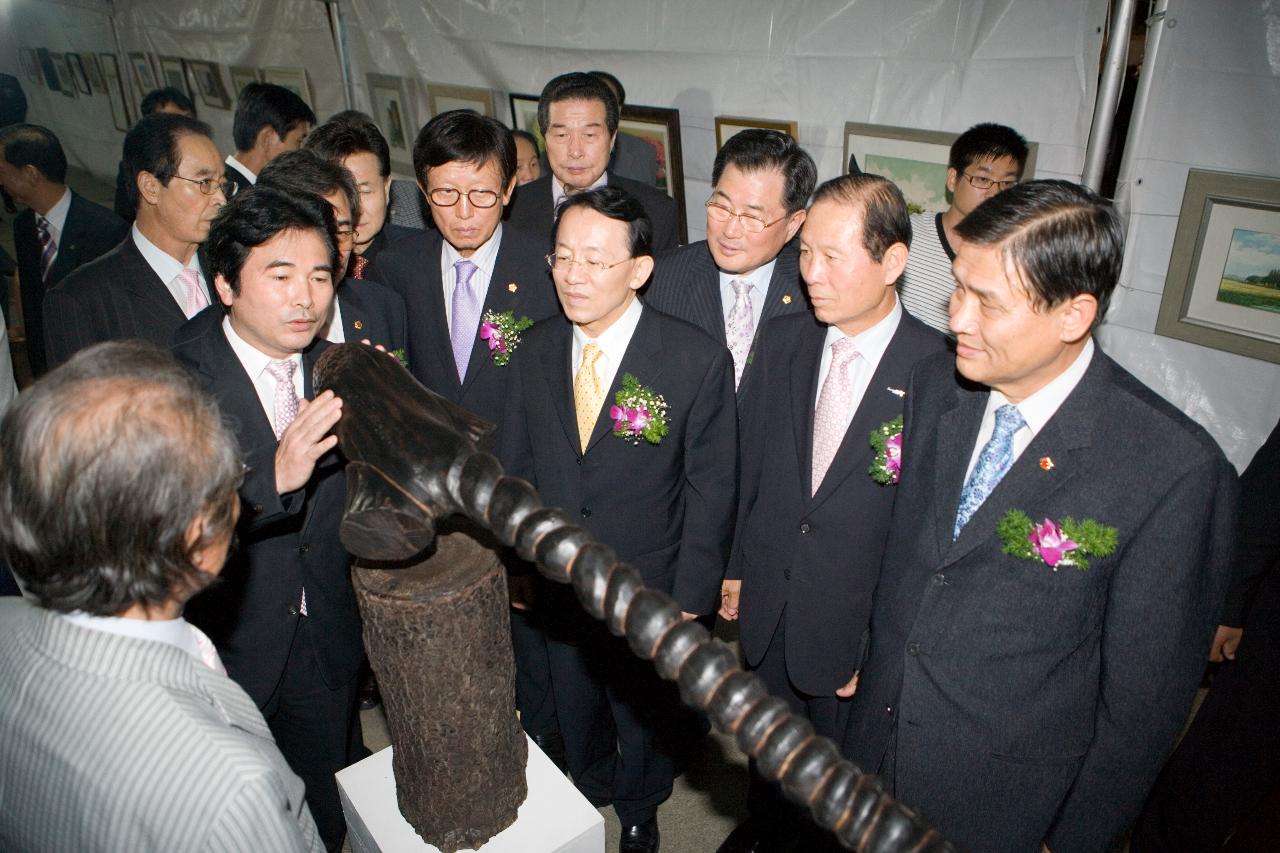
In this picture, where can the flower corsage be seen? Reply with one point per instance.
(401, 357)
(638, 412)
(1068, 544)
(887, 441)
(502, 331)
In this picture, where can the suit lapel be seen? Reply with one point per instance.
(434, 315)
(141, 280)
(708, 307)
(643, 360)
(68, 256)
(784, 287)
(499, 298)
(804, 391)
(957, 430)
(558, 372)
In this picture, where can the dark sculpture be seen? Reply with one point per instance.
(396, 497)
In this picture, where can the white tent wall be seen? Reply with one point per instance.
(1214, 103)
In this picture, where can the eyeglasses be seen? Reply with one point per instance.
(209, 186)
(564, 263)
(981, 183)
(750, 223)
(448, 197)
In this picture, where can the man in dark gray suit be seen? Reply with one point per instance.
(578, 116)
(1058, 557)
(745, 272)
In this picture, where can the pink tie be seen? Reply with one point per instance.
(740, 327)
(286, 396)
(831, 419)
(197, 298)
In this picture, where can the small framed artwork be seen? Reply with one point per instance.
(442, 98)
(1223, 286)
(293, 79)
(172, 74)
(66, 83)
(524, 116)
(208, 82)
(94, 70)
(144, 74)
(115, 91)
(660, 127)
(78, 74)
(727, 126)
(45, 60)
(30, 66)
(241, 77)
(390, 99)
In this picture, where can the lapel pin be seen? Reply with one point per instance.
(358, 324)
(512, 287)
(1046, 463)
(897, 392)
(786, 299)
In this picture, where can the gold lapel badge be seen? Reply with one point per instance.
(786, 299)
(1046, 463)
(897, 392)
(358, 324)
(512, 287)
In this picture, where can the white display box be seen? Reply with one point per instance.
(554, 818)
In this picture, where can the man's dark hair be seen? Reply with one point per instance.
(337, 140)
(33, 145)
(255, 216)
(758, 150)
(616, 204)
(1062, 239)
(577, 86)
(527, 137)
(885, 219)
(619, 91)
(262, 105)
(104, 465)
(157, 98)
(151, 145)
(304, 171)
(987, 141)
(464, 136)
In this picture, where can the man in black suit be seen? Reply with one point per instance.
(812, 518)
(363, 310)
(578, 116)
(269, 121)
(149, 285)
(166, 100)
(731, 284)
(654, 477)
(1058, 555)
(59, 232)
(360, 147)
(284, 618)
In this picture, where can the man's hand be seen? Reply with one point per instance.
(729, 594)
(1225, 642)
(850, 688)
(304, 441)
(686, 616)
(520, 591)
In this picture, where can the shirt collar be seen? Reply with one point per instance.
(165, 265)
(614, 340)
(57, 215)
(253, 359)
(557, 189)
(1042, 405)
(871, 343)
(174, 632)
(483, 257)
(241, 168)
(758, 277)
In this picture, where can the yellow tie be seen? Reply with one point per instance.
(588, 396)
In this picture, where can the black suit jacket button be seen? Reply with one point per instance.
(805, 527)
(786, 574)
(586, 512)
(913, 649)
(888, 709)
(939, 579)
(257, 507)
(304, 548)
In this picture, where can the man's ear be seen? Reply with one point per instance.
(265, 138)
(893, 263)
(1077, 315)
(794, 222)
(640, 272)
(149, 187)
(511, 187)
(225, 295)
(952, 178)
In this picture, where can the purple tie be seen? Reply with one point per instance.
(466, 316)
(48, 248)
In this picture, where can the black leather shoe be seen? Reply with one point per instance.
(552, 745)
(641, 838)
(751, 837)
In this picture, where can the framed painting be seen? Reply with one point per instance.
(172, 74)
(78, 74)
(293, 79)
(66, 82)
(442, 97)
(391, 106)
(208, 82)
(94, 70)
(660, 127)
(727, 126)
(144, 74)
(115, 91)
(1223, 286)
(524, 116)
(45, 60)
(241, 77)
(30, 65)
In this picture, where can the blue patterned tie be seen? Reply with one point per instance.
(993, 463)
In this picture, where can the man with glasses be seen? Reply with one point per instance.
(657, 482)
(745, 272)
(152, 282)
(985, 160)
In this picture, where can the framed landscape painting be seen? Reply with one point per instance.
(1223, 285)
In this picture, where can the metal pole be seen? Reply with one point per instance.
(340, 44)
(1156, 25)
(1104, 108)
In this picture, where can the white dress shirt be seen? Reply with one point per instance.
(241, 168)
(759, 290)
(484, 258)
(255, 364)
(871, 345)
(613, 343)
(168, 268)
(558, 194)
(176, 632)
(1036, 410)
(334, 333)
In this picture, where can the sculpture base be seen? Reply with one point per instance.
(555, 818)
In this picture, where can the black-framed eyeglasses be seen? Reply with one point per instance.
(750, 223)
(448, 197)
(981, 183)
(595, 266)
(209, 186)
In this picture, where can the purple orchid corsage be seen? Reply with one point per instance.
(886, 439)
(1070, 543)
(638, 413)
(502, 332)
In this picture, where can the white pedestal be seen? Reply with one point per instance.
(554, 818)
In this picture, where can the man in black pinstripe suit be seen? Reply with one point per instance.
(746, 271)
